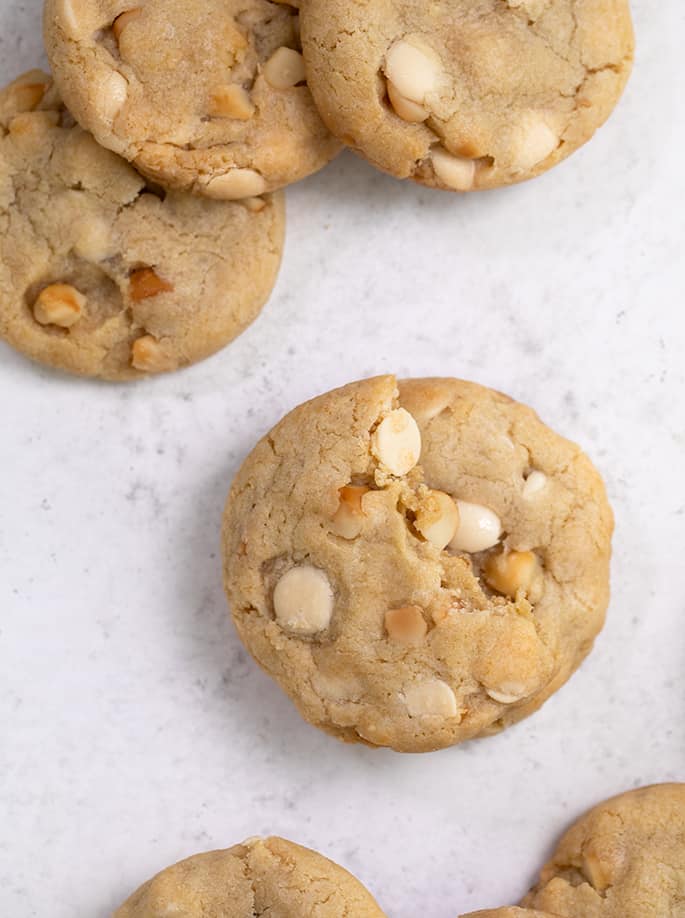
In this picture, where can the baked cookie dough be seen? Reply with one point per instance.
(201, 95)
(104, 275)
(417, 564)
(512, 912)
(466, 94)
(623, 859)
(268, 876)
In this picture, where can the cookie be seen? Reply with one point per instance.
(102, 274)
(201, 95)
(512, 912)
(418, 564)
(269, 876)
(623, 859)
(466, 94)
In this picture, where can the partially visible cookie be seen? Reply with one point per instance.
(623, 859)
(268, 876)
(417, 564)
(466, 94)
(511, 912)
(104, 275)
(202, 95)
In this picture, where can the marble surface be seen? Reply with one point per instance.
(134, 728)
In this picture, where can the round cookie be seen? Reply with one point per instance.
(417, 565)
(466, 94)
(623, 859)
(208, 95)
(102, 274)
(269, 876)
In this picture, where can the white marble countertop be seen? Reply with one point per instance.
(134, 728)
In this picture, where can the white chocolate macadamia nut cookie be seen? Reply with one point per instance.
(389, 563)
(623, 859)
(511, 912)
(103, 275)
(269, 876)
(202, 95)
(466, 94)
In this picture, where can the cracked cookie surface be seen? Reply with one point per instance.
(511, 912)
(101, 274)
(468, 94)
(268, 876)
(206, 96)
(417, 565)
(623, 859)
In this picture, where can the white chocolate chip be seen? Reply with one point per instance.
(406, 625)
(236, 184)
(284, 69)
(123, 20)
(232, 101)
(437, 518)
(405, 108)
(69, 20)
(303, 600)
(511, 572)
(535, 141)
(396, 442)
(509, 693)
(349, 518)
(479, 528)
(112, 94)
(533, 484)
(59, 304)
(457, 172)
(414, 69)
(430, 698)
(93, 239)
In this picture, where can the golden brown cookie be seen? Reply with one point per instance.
(201, 95)
(512, 912)
(102, 274)
(268, 876)
(466, 94)
(623, 859)
(417, 564)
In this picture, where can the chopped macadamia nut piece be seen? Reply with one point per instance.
(533, 484)
(254, 205)
(232, 101)
(348, 520)
(147, 355)
(26, 96)
(535, 141)
(405, 108)
(456, 172)
(479, 528)
(433, 697)
(123, 20)
(406, 625)
(112, 94)
(303, 600)
(437, 518)
(414, 68)
(146, 283)
(511, 572)
(284, 69)
(509, 693)
(396, 442)
(236, 184)
(599, 874)
(59, 304)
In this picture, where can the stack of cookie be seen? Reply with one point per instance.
(144, 223)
